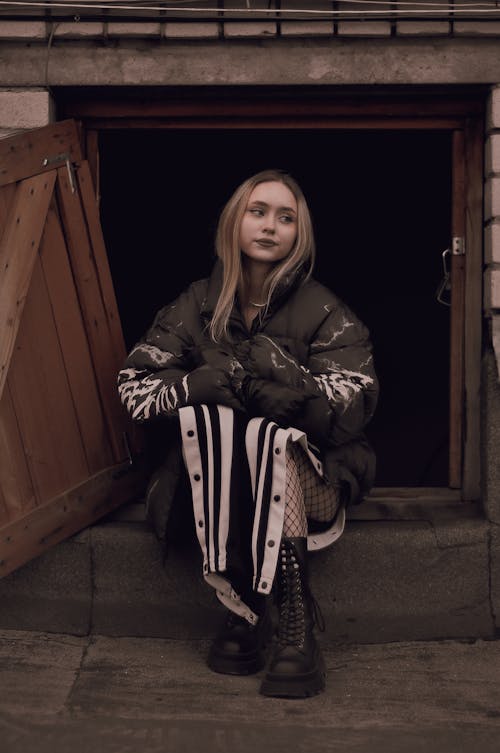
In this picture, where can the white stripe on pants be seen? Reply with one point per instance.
(225, 455)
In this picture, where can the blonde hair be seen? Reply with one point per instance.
(227, 246)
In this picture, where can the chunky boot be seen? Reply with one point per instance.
(240, 648)
(296, 669)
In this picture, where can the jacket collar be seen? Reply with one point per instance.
(286, 287)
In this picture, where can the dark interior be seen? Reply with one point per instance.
(380, 202)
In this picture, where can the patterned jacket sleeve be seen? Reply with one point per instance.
(153, 380)
(341, 364)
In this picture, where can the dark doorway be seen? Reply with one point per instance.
(380, 201)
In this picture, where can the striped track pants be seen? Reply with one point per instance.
(237, 472)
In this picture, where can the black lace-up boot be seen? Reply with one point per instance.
(296, 669)
(240, 647)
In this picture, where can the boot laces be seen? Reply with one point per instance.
(295, 601)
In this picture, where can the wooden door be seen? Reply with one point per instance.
(63, 433)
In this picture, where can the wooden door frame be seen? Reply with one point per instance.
(460, 113)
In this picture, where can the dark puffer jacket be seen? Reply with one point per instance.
(307, 363)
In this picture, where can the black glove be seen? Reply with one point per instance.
(272, 362)
(276, 401)
(211, 386)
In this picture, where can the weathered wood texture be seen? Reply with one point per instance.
(119, 105)
(457, 314)
(90, 294)
(474, 134)
(66, 514)
(74, 344)
(42, 398)
(37, 151)
(101, 260)
(61, 424)
(18, 250)
(92, 157)
(16, 484)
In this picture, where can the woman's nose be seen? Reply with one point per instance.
(269, 225)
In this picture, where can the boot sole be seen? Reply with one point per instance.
(228, 665)
(295, 686)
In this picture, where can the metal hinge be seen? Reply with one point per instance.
(457, 246)
(66, 158)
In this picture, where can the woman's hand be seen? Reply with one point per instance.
(276, 401)
(212, 386)
(270, 361)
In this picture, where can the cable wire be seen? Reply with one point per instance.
(154, 5)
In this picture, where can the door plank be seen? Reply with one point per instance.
(4, 513)
(90, 207)
(84, 269)
(473, 302)
(42, 398)
(18, 250)
(66, 514)
(23, 155)
(15, 480)
(101, 259)
(92, 157)
(271, 122)
(120, 106)
(457, 314)
(7, 194)
(74, 344)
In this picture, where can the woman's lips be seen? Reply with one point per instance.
(265, 242)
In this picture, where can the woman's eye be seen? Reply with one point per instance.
(256, 212)
(286, 218)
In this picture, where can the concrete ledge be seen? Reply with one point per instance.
(135, 594)
(52, 593)
(387, 579)
(206, 62)
(383, 581)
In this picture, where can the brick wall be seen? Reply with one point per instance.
(22, 109)
(346, 27)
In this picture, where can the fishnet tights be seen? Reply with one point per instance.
(295, 522)
(307, 495)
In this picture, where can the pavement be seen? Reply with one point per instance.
(65, 693)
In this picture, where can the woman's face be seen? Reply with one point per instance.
(269, 226)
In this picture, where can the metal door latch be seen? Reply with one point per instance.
(443, 293)
(66, 158)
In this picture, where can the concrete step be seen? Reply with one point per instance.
(382, 581)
